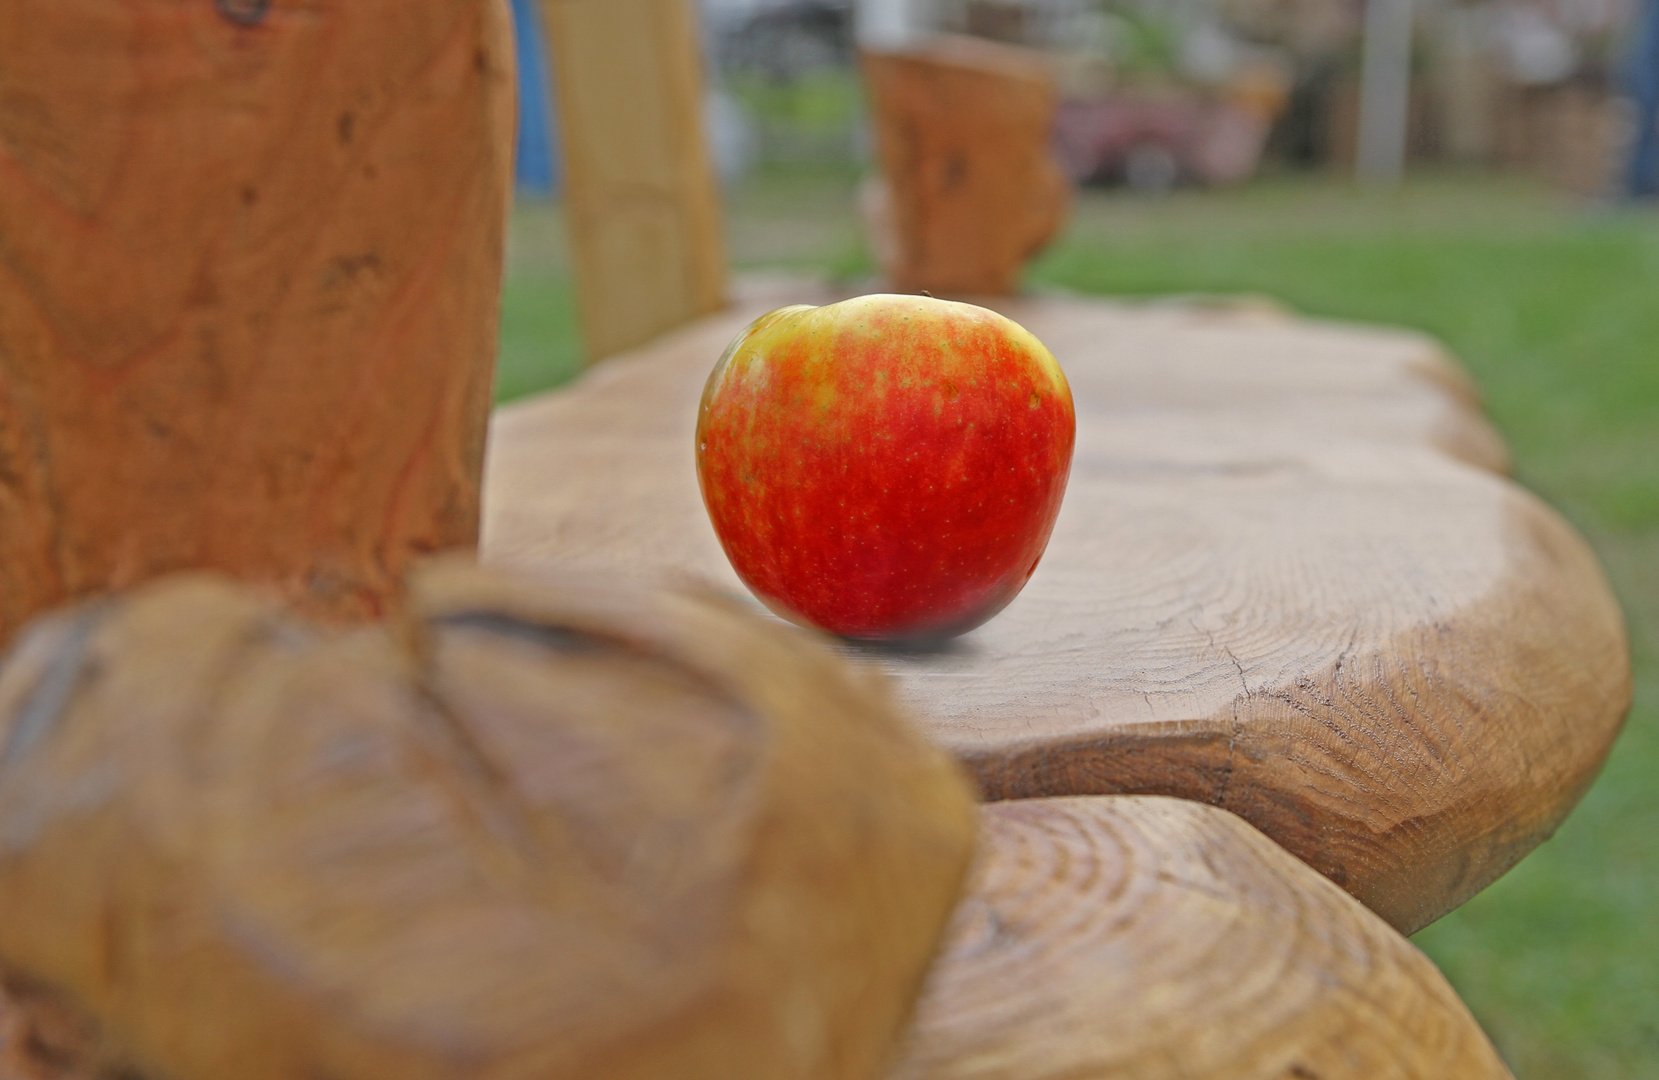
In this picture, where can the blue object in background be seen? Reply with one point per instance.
(1644, 88)
(537, 162)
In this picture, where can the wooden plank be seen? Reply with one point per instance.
(249, 290)
(1154, 939)
(643, 207)
(1285, 581)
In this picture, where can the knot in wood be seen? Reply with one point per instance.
(243, 12)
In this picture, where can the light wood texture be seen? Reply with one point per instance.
(527, 831)
(1285, 581)
(1136, 938)
(248, 289)
(970, 188)
(639, 188)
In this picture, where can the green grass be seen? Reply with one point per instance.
(539, 343)
(1554, 308)
(540, 337)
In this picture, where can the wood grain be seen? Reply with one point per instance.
(528, 830)
(639, 188)
(970, 189)
(1135, 938)
(248, 289)
(1285, 580)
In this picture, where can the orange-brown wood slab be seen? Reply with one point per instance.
(250, 267)
(972, 189)
(1288, 580)
(1153, 939)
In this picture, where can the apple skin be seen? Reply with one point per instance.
(885, 468)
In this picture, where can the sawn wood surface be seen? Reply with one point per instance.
(1138, 938)
(1288, 580)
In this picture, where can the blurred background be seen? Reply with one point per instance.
(1223, 146)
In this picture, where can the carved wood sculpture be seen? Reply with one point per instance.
(1135, 938)
(1284, 581)
(640, 190)
(525, 831)
(970, 188)
(248, 289)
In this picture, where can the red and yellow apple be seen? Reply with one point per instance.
(886, 468)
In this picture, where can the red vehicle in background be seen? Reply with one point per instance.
(1155, 140)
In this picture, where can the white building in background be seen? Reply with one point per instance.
(881, 23)
(730, 9)
(893, 24)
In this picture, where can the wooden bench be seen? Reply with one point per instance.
(1287, 581)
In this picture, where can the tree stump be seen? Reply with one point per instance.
(970, 189)
(1285, 581)
(527, 831)
(249, 289)
(1133, 938)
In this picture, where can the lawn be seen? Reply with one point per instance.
(1554, 307)
(540, 344)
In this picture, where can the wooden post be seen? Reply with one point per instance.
(644, 210)
(972, 190)
(249, 264)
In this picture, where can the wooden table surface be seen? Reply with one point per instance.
(1289, 580)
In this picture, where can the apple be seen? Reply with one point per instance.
(888, 467)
